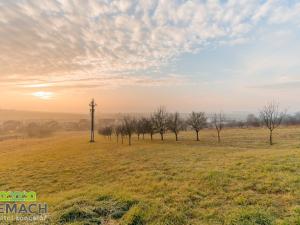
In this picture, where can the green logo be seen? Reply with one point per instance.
(17, 196)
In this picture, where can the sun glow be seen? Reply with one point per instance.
(43, 95)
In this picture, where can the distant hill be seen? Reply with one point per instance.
(35, 115)
(6, 114)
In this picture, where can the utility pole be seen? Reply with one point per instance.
(92, 110)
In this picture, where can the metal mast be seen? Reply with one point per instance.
(92, 110)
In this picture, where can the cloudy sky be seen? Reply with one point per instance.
(133, 55)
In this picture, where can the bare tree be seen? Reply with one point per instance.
(145, 126)
(110, 131)
(272, 118)
(150, 126)
(139, 128)
(106, 131)
(129, 125)
(118, 131)
(122, 132)
(175, 124)
(160, 121)
(197, 120)
(218, 121)
(252, 121)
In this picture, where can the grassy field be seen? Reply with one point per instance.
(241, 181)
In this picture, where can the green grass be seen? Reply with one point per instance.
(241, 181)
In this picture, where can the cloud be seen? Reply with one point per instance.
(56, 40)
(263, 11)
(105, 82)
(281, 86)
(284, 13)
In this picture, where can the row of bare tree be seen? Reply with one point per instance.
(161, 121)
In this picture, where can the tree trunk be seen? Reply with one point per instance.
(197, 135)
(151, 135)
(271, 137)
(129, 139)
(219, 138)
(122, 137)
(176, 136)
(143, 136)
(138, 136)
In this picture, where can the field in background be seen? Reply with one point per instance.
(33, 115)
(243, 180)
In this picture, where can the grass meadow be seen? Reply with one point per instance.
(241, 181)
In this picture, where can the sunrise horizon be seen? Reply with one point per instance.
(134, 56)
(150, 112)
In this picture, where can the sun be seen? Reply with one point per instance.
(43, 95)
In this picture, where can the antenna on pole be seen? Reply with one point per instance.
(92, 110)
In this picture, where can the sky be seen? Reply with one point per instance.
(135, 55)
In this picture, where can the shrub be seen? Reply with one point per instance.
(76, 213)
(104, 208)
(38, 130)
(134, 217)
(251, 217)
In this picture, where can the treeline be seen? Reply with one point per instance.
(41, 128)
(161, 121)
(256, 121)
